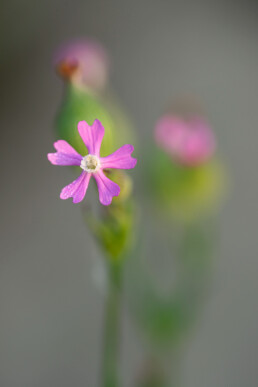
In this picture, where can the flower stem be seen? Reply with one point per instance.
(112, 326)
(161, 370)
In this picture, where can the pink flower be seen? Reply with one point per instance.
(190, 142)
(91, 164)
(83, 62)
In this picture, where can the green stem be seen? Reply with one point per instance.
(112, 326)
(161, 370)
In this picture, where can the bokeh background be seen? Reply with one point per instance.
(50, 309)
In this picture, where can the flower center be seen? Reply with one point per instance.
(90, 163)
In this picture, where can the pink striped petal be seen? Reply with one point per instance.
(121, 158)
(65, 154)
(91, 135)
(77, 189)
(107, 188)
(64, 159)
(63, 147)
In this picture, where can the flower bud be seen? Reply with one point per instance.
(84, 63)
(188, 141)
(125, 183)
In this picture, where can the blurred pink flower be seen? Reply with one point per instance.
(190, 142)
(83, 62)
(91, 164)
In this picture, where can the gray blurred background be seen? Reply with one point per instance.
(50, 309)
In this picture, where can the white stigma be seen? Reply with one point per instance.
(90, 163)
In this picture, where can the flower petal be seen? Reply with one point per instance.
(77, 189)
(64, 159)
(63, 147)
(120, 159)
(91, 135)
(107, 188)
(65, 154)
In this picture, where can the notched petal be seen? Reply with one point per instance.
(92, 136)
(77, 189)
(106, 187)
(63, 147)
(120, 159)
(64, 159)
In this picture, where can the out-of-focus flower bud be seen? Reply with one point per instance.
(185, 179)
(84, 63)
(113, 228)
(188, 141)
(125, 183)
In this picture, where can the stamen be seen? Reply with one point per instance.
(90, 163)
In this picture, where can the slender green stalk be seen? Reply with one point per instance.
(161, 370)
(112, 327)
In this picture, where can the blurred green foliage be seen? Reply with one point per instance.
(165, 318)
